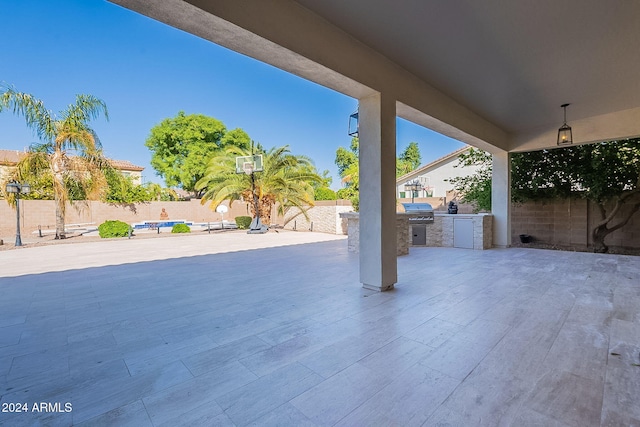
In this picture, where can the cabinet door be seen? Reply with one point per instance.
(463, 233)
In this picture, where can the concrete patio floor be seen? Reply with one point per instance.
(286, 336)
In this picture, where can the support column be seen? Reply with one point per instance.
(377, 135)
(501, 199)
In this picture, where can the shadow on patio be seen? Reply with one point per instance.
(286, 336)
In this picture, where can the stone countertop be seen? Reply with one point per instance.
(412, 214)
(462, 215)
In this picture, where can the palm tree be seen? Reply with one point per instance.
(70, 151)
(285, 181)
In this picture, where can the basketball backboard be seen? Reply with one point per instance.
(249, 164)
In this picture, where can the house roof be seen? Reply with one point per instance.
(430, 166)
(125, 165)
(11, 157)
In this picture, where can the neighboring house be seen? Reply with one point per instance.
(9, 159)
(433, 176)
(128, 169)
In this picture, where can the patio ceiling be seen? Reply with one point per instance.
(514, 63)
(491, 71)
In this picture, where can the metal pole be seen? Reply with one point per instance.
(256, 205)
(209, 227)
(18, 239)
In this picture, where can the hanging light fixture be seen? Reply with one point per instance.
(565, 136)
(353, 124)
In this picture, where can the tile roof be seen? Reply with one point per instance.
(125, 165)
(11, 157)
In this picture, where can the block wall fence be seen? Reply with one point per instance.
(563, 223)
(568, 224)
(34, 213)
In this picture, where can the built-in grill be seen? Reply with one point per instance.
(422, 215)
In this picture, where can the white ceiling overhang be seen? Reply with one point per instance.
(490, 73)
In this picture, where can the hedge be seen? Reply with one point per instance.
(243, 222)
(180, 228)
(110, 229)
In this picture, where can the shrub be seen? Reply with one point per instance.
(243, 222)
(113, 229)
(180, 228)
(355, 202)
(324, 193)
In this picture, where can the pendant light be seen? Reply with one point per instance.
(565, 136)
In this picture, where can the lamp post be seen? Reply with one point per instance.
(17, 189)
(414, 187)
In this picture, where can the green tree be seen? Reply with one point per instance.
(182, 145)
(346, 158)
(321, 189)
(475, 188)
(286, 181)
(349, 168)
(69, 132)
(409, 160)
(606, 173)
(122, 189)
(324, 193)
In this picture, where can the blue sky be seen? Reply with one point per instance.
(146, 71)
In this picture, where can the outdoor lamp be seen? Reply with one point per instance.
(17, 189)
(353, 124)
(564, 133)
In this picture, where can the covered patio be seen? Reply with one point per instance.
(281, 336)
(491, 74)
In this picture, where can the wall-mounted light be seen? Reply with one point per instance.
(565, 136)
(353, 124)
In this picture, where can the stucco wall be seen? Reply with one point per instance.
(436, 179)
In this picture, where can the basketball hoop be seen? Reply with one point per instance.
(249, 164)
(248, 167)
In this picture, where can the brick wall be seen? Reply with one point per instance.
(559, 222)
(568, 223)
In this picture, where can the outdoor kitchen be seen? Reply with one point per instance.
(420, 226)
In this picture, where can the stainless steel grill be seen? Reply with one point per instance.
(423, 213)
(421, 216)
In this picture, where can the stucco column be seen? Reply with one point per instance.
(501, 199)
(377, 134)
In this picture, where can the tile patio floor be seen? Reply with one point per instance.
(287, 337)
